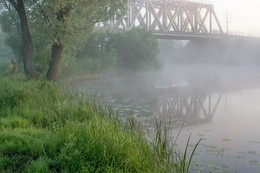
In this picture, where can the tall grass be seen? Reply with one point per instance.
(185, 162)
(166, 152)
(44, 129)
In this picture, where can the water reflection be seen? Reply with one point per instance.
(177, 105)
(194, 108)
(228, 123)
(231, 143)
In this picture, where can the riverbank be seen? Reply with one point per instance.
(46, 129)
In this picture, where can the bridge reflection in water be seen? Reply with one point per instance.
(190, 109)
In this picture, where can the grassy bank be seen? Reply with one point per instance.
(44, 129)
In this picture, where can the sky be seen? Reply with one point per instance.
(243, 15)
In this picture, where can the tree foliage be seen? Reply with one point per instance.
(66, 22)
(130, 51)
(137, 49)
(61, 23)
(96, 54)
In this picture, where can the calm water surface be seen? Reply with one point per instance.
(230, 141)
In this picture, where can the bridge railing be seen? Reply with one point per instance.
(236, 33)
(197, 1)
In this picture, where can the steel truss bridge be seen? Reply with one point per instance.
(170, 19)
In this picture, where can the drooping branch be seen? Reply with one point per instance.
(14, 4)
(46, 18)
(8, 6)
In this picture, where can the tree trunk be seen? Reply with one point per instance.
(29, 67)
(56, 56)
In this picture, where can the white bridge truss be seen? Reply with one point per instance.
(169, 18)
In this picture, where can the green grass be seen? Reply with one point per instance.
(45, 129)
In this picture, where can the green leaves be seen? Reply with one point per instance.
(61, 22)
(137, 49)
(70, 20)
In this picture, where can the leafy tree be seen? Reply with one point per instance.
(130, 51)
(134, 50)
(137, 49)
(97, 52)
(65, 22)
(62, 23)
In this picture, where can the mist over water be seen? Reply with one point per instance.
(231, 141)
(204, 71)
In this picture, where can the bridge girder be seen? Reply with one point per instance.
(169, 17)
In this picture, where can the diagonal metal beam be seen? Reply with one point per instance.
(218, 23)
(137, 10)
(216, 105)
(173, 18)
(202, 22)
(188, 19)
(156, 16)
(201, 101)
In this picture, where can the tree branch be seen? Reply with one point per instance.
(7, 5)
(43, 12)
(63, 12)
(15, 5)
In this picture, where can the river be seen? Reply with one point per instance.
(231, 142)
(225, 114)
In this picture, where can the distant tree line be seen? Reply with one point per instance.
(122, 52)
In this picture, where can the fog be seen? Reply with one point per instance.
(198, 65)
(231, 141)
(211, 61)
(215, 81)
(242, 16)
